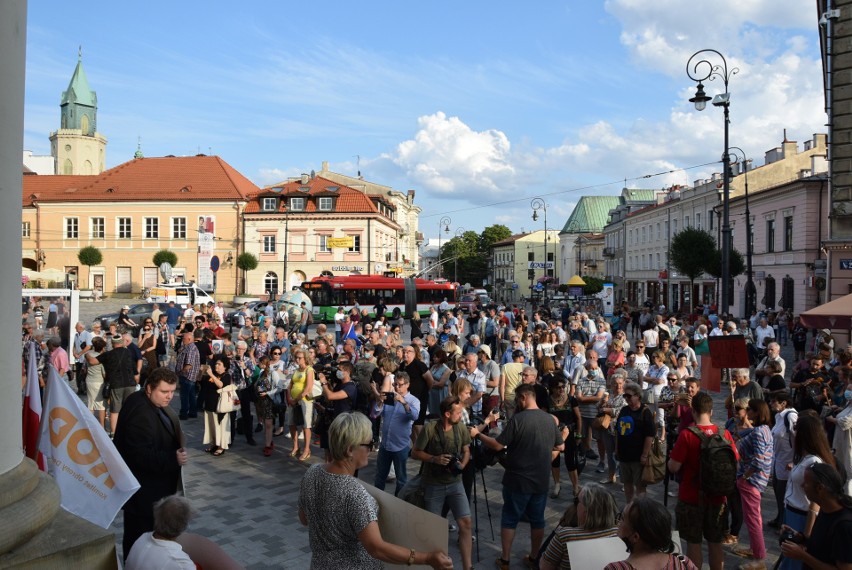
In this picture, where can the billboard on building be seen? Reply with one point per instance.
(206, 247)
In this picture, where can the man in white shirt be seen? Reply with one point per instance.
(219, 310)
(81, 338)
(444, 306)
(159, 549)
(433, 320)
(574, 366)
(651, 338)
(761, 333)
(338, 322)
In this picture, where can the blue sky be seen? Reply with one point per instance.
(478, 106)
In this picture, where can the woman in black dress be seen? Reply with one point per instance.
(565, 409)
(217, 427)
(416, 331)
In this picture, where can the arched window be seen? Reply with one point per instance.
(67, 167)
(270, 282)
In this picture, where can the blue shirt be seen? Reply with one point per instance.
(396, 423)
(173, 315)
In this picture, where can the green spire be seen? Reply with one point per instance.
(78, 90)
(138, 153)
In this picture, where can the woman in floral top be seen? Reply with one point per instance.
(752, 477)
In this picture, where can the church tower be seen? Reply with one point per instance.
(77, 147)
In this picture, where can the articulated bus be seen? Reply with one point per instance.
(409, 295)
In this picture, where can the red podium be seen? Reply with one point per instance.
(725, 352)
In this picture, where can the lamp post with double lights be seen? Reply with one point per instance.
(751, 293)
(539, 204)
(443, 225)
(459, 234)
(702, 70)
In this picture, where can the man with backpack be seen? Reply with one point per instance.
(707, 461)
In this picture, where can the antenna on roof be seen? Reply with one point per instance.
(358, 162)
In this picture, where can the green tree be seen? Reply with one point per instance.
(689, 251)
(89, 256)
(593, 285)
(736, 264)
(493, 234)
(246, 262)
(165, 256)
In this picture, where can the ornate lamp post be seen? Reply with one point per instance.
(539, 204)
(459, 234)
(701, 70)
(443, 223)
(751, 293)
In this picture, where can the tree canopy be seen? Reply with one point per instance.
(165, 256)
(89, 256)
(690, 250)
(466, 255)
(736, 265)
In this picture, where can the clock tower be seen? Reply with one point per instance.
(77, 147)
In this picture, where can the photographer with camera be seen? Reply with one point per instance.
(533, 441)
(444, 448)
(827, 545)
(338, 396)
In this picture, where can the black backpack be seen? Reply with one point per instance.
(717, 470)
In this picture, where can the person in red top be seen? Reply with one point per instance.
(684, 404)
(696, 522)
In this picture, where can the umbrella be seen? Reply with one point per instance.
(834, 315)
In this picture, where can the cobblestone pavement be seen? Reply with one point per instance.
(247, 503)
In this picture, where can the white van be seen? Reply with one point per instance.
(180, 293)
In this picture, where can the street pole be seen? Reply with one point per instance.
(539, 204)
(750, 292)
(442, 223)
(459, 234)
(697, 73)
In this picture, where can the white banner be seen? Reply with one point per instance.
(92, 477)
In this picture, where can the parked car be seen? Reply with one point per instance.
(254, 308)
(467, 303)
(138, 313)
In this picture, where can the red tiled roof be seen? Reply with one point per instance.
(164, 178)
(509, 240)
(349, 200)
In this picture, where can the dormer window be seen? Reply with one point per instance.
(270, 204)
(297, 204)
(325, 204)
(332, 188)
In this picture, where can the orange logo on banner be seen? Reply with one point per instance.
(77, 435)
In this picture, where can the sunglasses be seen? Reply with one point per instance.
(276, 353)
(369, 445)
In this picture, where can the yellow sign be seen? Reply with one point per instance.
(347, 242)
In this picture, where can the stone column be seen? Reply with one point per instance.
(34, 531)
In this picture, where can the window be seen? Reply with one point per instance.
(72, 228)
(710, 220)
(686, 221)
(325, 204)
(178, 228)
(269, 204)
(788, 233)
(530, 256)
(123, 228)
(698, 221)
(152, 228)
(770, 236)
(674, 227)
(25, 229)
(98, 228)
(356, 244)
(269, 245)
(323, 244)
(270, 282)
(297, 204)
(659, 235)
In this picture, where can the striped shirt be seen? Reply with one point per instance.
(756, 454)
(557, 549)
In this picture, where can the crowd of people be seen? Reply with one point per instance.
(533, 391)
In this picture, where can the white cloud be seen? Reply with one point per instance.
(450, 159)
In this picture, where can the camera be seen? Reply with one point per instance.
(454, 466)
(788, 536)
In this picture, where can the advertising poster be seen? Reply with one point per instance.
(206, 247)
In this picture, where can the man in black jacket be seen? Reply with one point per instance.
(152, 444)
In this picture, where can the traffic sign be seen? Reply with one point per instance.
(214, 263)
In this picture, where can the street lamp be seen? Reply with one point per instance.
(700, 71)
(459, 234)
(751, 292)
(443, 223)
(539, 204)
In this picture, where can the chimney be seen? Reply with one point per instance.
(306, 178)
(325, 166)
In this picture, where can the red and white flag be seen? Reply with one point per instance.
(32, 409)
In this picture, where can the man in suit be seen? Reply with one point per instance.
(151, 442)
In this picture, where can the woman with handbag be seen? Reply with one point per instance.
(755, 451)
(217, 425)
(301, 404)
(610, 409)
(95, 379)
(634, 435)
(567, 412)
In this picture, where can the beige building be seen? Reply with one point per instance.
(519, 261)
(322, 226)
(191, 206)
(406, 214)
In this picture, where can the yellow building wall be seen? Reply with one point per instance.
(48, 226)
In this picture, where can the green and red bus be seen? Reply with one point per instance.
(407, 294)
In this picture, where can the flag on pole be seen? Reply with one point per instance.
(93, 478)
(32, 409)
(352, 334)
